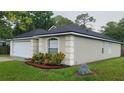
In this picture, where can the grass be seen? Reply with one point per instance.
(111, 69)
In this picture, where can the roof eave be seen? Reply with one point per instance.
(69, 33)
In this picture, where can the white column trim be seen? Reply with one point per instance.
(11, 48)
(40, 45)
(69, 49)
(34, 46)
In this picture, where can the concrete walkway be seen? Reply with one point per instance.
(2, 59)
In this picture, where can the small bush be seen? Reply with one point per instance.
(35, 58)
(47, 58)
(38, 58)
(57, 58)
(41, 57)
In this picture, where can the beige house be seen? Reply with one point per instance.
(79, 45)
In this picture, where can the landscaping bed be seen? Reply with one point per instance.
(46, 66)
(47, 60)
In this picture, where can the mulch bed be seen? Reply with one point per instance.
(46, 66)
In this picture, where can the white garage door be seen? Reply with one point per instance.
(22, 49)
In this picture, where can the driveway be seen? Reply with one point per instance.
(6, 59)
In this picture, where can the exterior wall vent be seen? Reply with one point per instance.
(51, 28)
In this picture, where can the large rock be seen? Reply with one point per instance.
(84, 70)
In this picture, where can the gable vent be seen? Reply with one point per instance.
(51, 28)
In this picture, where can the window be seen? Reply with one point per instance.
(103, 47)
(53, 45)
(102, 50)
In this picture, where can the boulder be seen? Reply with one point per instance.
(84, 70)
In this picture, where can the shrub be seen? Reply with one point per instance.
(61, 56)
(41, 57)
(38, 58)
(35, 58)
(47, 58)
(57, 58)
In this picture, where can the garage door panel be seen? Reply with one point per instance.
(22, 49)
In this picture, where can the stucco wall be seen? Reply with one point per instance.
(43, 43)
(78, 50)
(65, 46)
(89, 50)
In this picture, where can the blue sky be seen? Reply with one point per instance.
(102, 17)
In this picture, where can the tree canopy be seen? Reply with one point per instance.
(22, 21)
(115, 30)
(84, 20)
(60, 21)
(5, 31)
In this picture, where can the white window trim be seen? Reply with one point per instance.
(48, 41)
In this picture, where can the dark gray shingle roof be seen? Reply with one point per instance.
(31, 33)
(64, 29)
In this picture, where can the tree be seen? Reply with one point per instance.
(115, 30)
(5, 29)
(5, 32)
(110, 28)
(42, 19)
(84, 19)
(18, 21)
(60, 21)
(22, 21)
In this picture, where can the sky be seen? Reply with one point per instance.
(102, 17)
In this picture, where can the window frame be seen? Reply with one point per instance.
(103, 48)
(48, 44)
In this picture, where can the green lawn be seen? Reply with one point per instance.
(112, 69)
